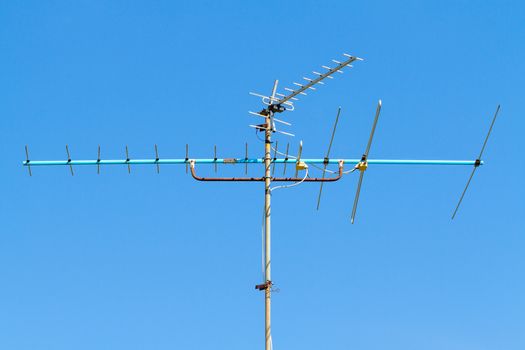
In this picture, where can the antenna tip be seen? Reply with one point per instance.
(380, 102)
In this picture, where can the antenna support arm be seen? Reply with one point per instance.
(278, 179)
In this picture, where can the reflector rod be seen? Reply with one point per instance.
(246, 158)
(187, 158)
(464, 191)
(27, 162)
(274, 119)
(286, 158)
(215, 157)
(298, 160)
(69, 160)
(273, 99)
(328, 156)
(127, 160)
(258, 127)
(490, 131)
(378, 110)
(98, 160)
(301, 85)
(263, 96)
(157, 158)
(285, 133)
(363, 164)
(356, 200)
(328, 76)
(350, 56)
(282, 95)
(478, 162)
(275, 156)
(281, 121)
(294, 92)
(257, 114)
(308, 79)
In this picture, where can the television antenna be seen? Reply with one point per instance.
(274, 104)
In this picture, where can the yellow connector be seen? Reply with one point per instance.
(362, 166)
(300, 165)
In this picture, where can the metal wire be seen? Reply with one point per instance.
(314, 165)
(331, 171)
(282, 154)
(292, 185)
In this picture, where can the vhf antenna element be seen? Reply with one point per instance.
(477, 162)
(363, 164)
(274, 104)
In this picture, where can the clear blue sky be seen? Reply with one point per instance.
(147, 261)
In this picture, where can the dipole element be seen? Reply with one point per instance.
(477, 162)
(363, 164)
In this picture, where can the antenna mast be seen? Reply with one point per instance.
(267, 225)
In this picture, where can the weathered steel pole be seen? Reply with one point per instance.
(267, 224)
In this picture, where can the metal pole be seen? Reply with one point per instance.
(321, 161)
(267, 227)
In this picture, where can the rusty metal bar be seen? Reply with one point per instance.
(278, 179)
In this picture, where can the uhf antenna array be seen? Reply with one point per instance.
(277, 103)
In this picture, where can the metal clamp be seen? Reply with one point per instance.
(264, 286)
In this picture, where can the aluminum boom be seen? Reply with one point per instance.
(322, 76)
(247, 161)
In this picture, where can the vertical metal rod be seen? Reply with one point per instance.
(186, 159)
(215, 157)
(27, 161)
(157, 158)
(127, 160)
(286, 157)
(267, 227)
(98, 160)
(246, 158)
(327, 158)
(274, 157)
(69, 160)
